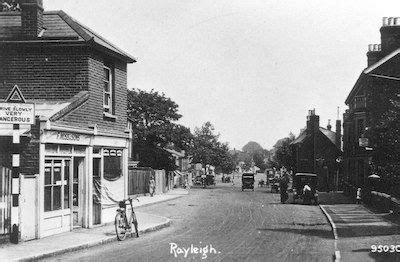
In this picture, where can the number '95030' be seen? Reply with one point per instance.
(385, 248)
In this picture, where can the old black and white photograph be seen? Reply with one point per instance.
(199, 130)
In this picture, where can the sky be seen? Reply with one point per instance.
(253, 68)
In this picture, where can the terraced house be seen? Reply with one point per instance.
(74, 159)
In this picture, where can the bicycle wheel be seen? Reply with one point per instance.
(135, 224)
(120, 226)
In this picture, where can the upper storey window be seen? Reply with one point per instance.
(108, 90)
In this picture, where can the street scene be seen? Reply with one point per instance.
(199, 130)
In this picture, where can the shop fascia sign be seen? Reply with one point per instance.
(15, 110)
(61, 137)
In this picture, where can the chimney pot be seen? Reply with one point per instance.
(385, 21)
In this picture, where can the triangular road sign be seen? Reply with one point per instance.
(15, 96)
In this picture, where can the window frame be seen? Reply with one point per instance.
(108, 109)
(64, 188)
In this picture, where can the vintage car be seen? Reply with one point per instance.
(247, 181)
(301, 183)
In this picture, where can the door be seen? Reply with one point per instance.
(96, 191)
(28, 207)
(77, 191)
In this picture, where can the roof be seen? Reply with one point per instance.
(369, 71)
(305, 174)
(300, 138)
(54, 110)
(59, 27)
(175, 153)
(328, 133)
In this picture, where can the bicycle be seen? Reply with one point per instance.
(123, 226)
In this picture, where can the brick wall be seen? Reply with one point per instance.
(43, 72)
(92, 111)
(29, 158)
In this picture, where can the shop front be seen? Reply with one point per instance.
(82, 177)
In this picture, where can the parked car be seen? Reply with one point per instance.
(247, 181)
(300, 180)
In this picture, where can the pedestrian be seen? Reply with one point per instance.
(358, 197)
(152, 186)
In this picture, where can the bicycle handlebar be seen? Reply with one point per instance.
(131, 198)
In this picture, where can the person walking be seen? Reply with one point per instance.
(358, 196)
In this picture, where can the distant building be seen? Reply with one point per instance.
(316, 150)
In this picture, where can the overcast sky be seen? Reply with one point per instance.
(252, 68)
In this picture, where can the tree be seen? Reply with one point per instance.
(384, 135)
(255, 154)
(282, 153)
(153, 117)
(207, 150)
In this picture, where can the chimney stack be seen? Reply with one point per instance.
(329, 127)
(390, 34)
(312, 121)
(31, 18)
(374, 53)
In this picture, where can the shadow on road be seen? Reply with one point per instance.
(301, 231)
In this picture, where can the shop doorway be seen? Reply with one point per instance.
(77, 189)
(96, 191)
(29, 203)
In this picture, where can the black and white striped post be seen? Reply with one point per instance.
(16, 111)
(16, 150)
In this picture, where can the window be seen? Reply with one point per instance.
(112, 164)
(360, 127)
(108, 98)
(56, 185)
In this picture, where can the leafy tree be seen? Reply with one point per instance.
(153, 117)
(384, 135)
(254, 154)
(252, 147)
(282, 153)
(207, 150)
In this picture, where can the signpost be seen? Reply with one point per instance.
(17, 112)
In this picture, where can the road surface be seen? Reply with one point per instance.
(233, 225)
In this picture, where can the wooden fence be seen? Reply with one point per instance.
(138, 181)
(5, 201)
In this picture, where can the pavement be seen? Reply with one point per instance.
(85, 238)
(356, 228)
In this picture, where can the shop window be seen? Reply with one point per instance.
(65, 149)
(79, 149)
(96, 150)
(56, 181)
(51, 149)
(112, 164)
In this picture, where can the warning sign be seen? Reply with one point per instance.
(17, 113)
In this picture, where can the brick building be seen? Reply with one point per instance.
(74, 159)
(316, 150)
(368, 100)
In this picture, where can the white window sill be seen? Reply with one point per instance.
(110, 116)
